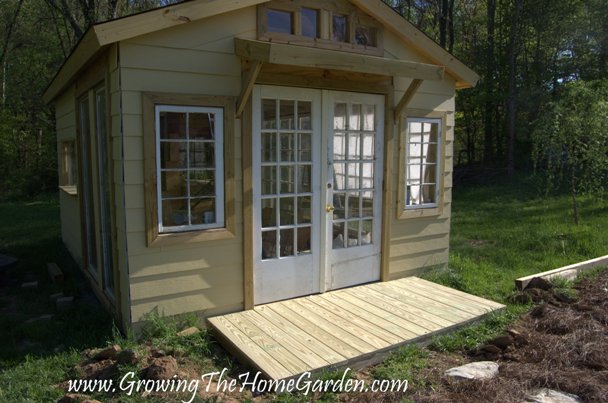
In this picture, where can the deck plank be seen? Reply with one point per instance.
(349, 327)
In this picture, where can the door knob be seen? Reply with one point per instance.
(329, 208)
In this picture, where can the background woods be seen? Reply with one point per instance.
(525, 52)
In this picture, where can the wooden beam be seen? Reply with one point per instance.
(248, 82)
(278, 53)
(569, 272)
(165, 17)
(407, 97)
(465, 77)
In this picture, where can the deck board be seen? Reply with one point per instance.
(348, 327)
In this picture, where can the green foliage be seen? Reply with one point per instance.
(407, 363)
(571, 140)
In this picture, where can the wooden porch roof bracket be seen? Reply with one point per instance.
(277, 53)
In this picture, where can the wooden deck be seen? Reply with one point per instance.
(350, 327)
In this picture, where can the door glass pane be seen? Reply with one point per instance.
(305, 147)
(304, 240)
(339, 206)
(269, 147)
(366, 232)
(203, 211)
(202, 183)
(354, 117)
(269, 213)
(269, 244)
(368, 146)
(369, 114)
(338, 235)
(287, 211)
(367, 202)
(287, 239)
(353, 205)
(304, 209)
(353, 176)
(304, 115)
(428, 194)
(367, 176)
(287, 147)
(304, 178)
(354, 146)
(340, 116)
(288, 179)
(287, 110)
(353, 233)
(269, 180)
(339, 146)
(339, 176)
(269, 114)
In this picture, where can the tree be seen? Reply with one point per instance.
(571, 140)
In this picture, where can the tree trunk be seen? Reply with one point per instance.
(4, 53)
(488, 156)
(451, 27)
(512, 104)
(443, 23)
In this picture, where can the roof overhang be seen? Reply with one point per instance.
(101, 35)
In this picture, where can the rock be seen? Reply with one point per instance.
(54, 297)
(64, 303)
(540, 283)
(31, 285)
(474, 370)
(519, 338)
(563, 297)
(502, 342)
(90, 401)
(189, 331)
(162, 368)
(127, 356)
(108, 353)
(552, 396)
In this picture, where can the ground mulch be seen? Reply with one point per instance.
(560, 344)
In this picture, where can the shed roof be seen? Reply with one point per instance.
(103, 34)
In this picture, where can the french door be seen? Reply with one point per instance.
(317, 174)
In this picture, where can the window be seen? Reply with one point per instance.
(423, 163)
(69, 169)
(190, 168)
(323, 24)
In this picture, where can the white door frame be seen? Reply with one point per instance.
(293, 276)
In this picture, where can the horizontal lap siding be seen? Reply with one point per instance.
(65, 112)
(196, 58)
(418, 244)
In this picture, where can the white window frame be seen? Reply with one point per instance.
(439, 165)
(219, 168)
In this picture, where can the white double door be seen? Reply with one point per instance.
(317, 190)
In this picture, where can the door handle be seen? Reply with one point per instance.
(329, 208)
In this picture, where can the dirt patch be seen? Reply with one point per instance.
(560, 344)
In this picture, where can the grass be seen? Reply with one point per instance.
(499, 233)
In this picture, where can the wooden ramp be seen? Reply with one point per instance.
(351, 327)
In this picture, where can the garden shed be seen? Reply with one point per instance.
(218, 155)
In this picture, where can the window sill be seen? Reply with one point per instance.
(420, 212)
(70, 190)
(180, 238)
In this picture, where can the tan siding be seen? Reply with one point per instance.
(196, 58)
(420, 243)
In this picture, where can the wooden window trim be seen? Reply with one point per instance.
(153, 237)
(407, 212)
(68, 167)
(355, 17)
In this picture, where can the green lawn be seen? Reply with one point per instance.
(499, 233)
